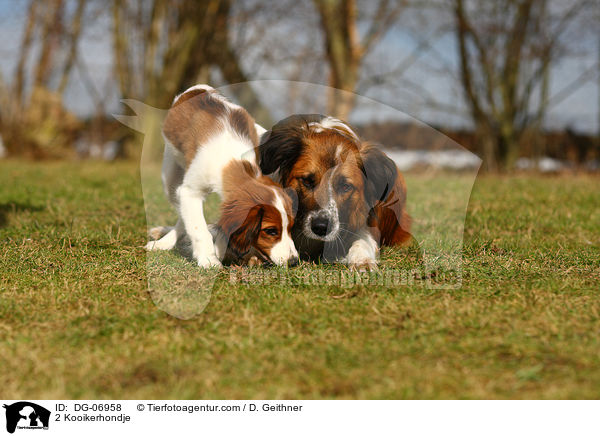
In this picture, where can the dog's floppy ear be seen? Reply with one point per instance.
(281, 146)
(380, 173)
(242, 238)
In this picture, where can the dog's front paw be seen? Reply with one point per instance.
(254, 261)
(210, 261)
(363, 265)
(362, 256)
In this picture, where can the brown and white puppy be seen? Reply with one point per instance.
(205, 138)
(351, 196)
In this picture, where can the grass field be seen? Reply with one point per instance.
(77, 320)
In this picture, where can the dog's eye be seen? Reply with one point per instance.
(271, 231)
(346, 187)
(308, 182)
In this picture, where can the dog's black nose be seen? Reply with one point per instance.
(319, 225)
(293, 262)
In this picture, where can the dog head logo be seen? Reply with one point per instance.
(26, 415)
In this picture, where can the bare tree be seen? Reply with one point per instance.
(36, 122)
(505, 50)
(167, 47)
(345, 49)
(50, 41)
(28, 33)
(74, 36)
(161, 48)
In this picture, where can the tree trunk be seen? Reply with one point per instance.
(50, 40)
(338, 20)
(121, 51)
(489, 147)
(24, 54)
(74, 41)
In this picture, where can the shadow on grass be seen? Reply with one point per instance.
(15, 207)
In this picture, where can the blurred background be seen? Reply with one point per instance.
(515, 81)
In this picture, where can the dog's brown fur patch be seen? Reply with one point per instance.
(197, 115)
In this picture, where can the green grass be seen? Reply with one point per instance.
(77, 319)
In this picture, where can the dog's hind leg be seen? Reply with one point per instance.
(165, 238)
(156, 233)
(166, 242)
(172, 174)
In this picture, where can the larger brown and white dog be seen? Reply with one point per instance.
(352, 197)
(205, 138)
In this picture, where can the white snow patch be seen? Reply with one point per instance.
(447, 159)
